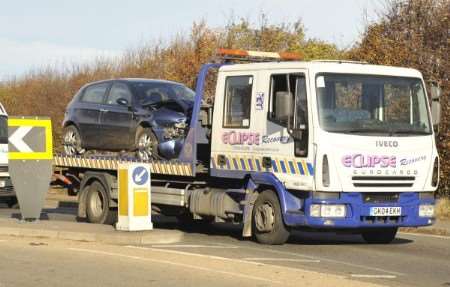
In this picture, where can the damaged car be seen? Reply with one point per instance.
(145, 116)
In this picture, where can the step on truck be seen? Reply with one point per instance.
(288, 144)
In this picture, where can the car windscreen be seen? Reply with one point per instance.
(3, 129)
(364, 104)
(157, 92)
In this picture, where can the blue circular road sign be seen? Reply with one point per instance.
(140, 175)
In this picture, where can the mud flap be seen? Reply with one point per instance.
(250, 198)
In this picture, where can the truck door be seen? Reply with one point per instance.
(233, 126)
(287, 138)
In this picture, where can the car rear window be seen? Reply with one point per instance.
(94, 93)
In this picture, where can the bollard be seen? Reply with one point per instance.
(134, 210)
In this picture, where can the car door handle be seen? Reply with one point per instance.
(103, 110)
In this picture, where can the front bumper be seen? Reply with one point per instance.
(358, 212)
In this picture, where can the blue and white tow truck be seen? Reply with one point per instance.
(288, 144)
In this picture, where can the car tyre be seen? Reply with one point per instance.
(379, 235)
(72, 141)
(146, 144)
(267, 221)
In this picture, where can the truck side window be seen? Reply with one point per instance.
(280, 84)
(238, 95)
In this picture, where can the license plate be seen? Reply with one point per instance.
(2, 183)
(385, 211)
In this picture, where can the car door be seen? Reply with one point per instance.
(87, 113)
(117, 119)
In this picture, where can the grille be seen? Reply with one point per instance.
(380, 197)
(3, 168)
(383, 181)
(382, 219)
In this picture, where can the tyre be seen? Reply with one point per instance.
(13, 203)
(97, 205)
(267, 221)
(72, 141)
(379, 235)
(146, 144)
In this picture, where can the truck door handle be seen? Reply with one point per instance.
(267, 162)
(221, 159)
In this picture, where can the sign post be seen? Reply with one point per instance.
(30, 162)
(134, 197)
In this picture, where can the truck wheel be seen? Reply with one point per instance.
(379, 235)
(72, 141)
(146, 144)
(97, 205)
(267, 224)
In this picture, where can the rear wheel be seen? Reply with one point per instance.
(267, 224)
(379, 235)
(97, 205)
(72, 141)
(146, 144)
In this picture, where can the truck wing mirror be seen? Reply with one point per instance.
(436, 106)
(284, 104)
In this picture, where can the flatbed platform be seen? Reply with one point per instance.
(165, 167)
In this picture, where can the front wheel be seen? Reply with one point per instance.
(267, 222)
(146, 144)
(379, 235)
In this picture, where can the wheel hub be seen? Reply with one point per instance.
(265, 217)
(145, 147)
(96, 204)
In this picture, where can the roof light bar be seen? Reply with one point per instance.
(243, 54)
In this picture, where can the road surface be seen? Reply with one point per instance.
(411, 260)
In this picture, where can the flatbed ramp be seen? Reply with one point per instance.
(164, 167)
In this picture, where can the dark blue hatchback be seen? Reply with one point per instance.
(149, 117)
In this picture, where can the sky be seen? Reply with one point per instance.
(34, 34)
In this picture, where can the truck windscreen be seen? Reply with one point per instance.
(3, 129)
(365, 104)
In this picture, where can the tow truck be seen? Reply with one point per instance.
(6, 189)
(289, 144)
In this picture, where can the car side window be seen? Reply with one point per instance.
(118, 91)
(95, 93)
(238, 95)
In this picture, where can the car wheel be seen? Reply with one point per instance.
(267, 224)
(146, 144)
(72, 141)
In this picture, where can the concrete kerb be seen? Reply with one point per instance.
(105, 234)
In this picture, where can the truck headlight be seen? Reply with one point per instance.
(426, 210)
(327, 210)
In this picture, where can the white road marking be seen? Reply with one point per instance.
(193, 254)
(17, 139)
(281, 259)
(328, 260)
(373, 276)
(234, 260)
(425, 235)
(175, 264)
(192, 246)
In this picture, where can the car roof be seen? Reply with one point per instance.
(136, 80)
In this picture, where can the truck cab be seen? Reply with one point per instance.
(342, 144)
(6, 189)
